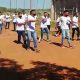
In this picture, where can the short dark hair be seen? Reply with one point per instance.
(19, 13)
(75, 14)
(45, 12)
(32, 11)
(65, 11)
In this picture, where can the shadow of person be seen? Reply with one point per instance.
(10, 70)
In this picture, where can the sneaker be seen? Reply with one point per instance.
(78, 39)
(70, 46)
(37, 50)
(62, 46)
(40, 40)
(48, 40)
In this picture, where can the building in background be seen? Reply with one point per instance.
(60, 5)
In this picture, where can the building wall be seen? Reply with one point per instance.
(71, 5)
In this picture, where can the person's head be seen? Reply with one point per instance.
(45, 14)
(0, 13)
(66, 13)
(20, 15)
(33, 12)
(75, 14)
(48, 15)
(23, 12)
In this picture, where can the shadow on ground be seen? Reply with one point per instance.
(11, 70)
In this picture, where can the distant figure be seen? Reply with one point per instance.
(75, 26)
(14, 20)
(7, 21)
(49, 22)
(1, 22)
(58, 26)
(24, 15)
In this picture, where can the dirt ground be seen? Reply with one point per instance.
(49, 52)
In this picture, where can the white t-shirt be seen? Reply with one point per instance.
(1, 18)
(48, 21)
(20, 27)
(65, 21)
(43, 23)
(8, 18)
(31, 25)
(24, 16)
(58, 21)
(75, 22)
(14, 18)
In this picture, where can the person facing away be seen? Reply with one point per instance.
(75, 26)
(20, 28)
(65, 22)
(44, 27)
(31, 30)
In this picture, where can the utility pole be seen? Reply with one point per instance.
(30, 4)
(16, 4)
(10, 7)
(24, 4)
(10, 4)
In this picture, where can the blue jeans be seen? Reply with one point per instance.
(46, 31)
(1, 27)
(65, 34)
(34, 36)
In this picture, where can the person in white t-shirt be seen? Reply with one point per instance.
(58, 26)
(20, 22)
(1, 22)
(24, 15)
(31, 32)
(7, 21)
(48, 22)
(65, 22)
(75, 26)
(14, 20)
(44, 26)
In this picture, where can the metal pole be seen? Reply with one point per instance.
(10, 4)
(43, 4)
(24, 4)
(30, 4)
(16, 4)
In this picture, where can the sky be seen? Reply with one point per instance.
(35, 4)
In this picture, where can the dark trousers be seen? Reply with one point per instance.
(59, 30)
(14, 23)
(7, 25)
(21, 33)
(73, 32)
(49, 27)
